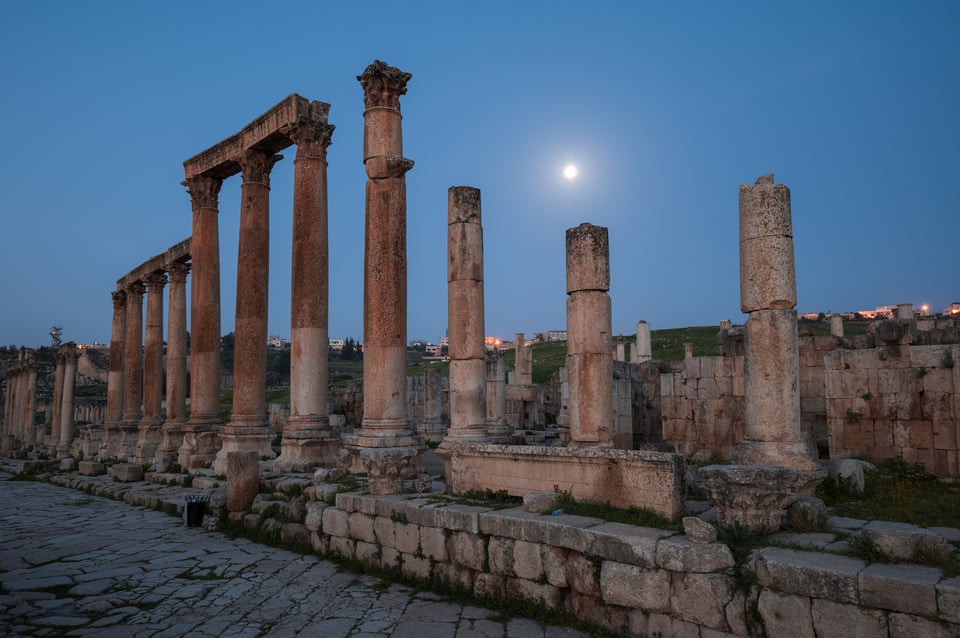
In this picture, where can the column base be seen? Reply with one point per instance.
(432, 428)
(171, 439)
(354, 444)
(303, 454)
(201, 442)
(499, 433)
(148, 440)
(247, 439)
(387, 468)
(800, 455)
(755, 496)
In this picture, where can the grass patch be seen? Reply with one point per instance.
(899, 491)
(487, 498)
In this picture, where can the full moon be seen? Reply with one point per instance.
(570, 171)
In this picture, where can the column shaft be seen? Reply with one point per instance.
(149, 436)
(57, 401)
(172, 430)
(66, 406)
(115, 384)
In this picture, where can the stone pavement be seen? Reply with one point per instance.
(72, 564)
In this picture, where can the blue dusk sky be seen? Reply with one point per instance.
(666, 107)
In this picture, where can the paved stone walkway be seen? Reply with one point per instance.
(78, 565)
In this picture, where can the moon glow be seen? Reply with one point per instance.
(570, 171)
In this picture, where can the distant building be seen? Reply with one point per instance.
(336, 345)
(273, 341)
(953, 309)
(878, 312)
(444, 341)
(432, 350)
(556, 335)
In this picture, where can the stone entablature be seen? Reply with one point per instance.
(179, 252)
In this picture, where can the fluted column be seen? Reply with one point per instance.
(465, 318)
(172, 429)
(69, 353)
(200, 440)
(385, 422)
(589, 354)
(149, 427)
(309, 423)
(248, 429)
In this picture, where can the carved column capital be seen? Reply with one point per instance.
(136, 289)
(312, 137)
(383, 85)
(178, 271)
(119, 299)
(256, 166)
(204, 190)
(156, 280)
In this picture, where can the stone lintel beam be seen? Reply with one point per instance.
(267, 133)
(178, 252)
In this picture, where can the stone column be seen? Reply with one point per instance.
(306, 436)
(172, 429)
(517, 378)
(55, 407)
(771, 364)
(589, 356)
(465, 318)
(115, 383)
(642, 348)
(30, 409)
(385, 423)
(432, 426)
(70, 355)
(21, 396)
(248, 430)
(904, 311)
(132, 371)
(621, 349)
(200, 440)
(497, 429)
(836, 325)
(687, 350)
(149, 426)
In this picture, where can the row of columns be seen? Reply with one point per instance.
(20, 430)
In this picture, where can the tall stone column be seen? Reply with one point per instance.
(30, 410)
(149, 427)
(172, 429)
(21, 397)
(768, 294)
(621, 348)
(589, 355)
(465, 319)
(56, 402)
(132, 371)
(69, 353)
(385, 423)
(307, 437)
(498, 431)
(642, 348)
(836, 325)
(518, 343)
(115, 383)
(200, 441)
(248, 430)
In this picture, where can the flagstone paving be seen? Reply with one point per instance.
(72, 564)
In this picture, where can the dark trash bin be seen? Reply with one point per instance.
(194, 510)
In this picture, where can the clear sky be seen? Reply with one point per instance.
(665, 107)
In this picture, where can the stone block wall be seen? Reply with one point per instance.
(898, 401)
(631, 579)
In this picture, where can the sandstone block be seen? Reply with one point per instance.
(623, 543)
(500, 555)
(910, 626)
(902, 540)
(314, 518)
(907, 588)
(488, 585)
(68, 464)
(701, 598)
(667, 625)
(809, 573)
(679, 554)
(361, 527)
(948, 599)
(389, 558)
(698, 530)
(367, 552)
(126, 472)
(415, 567)
(385, 532)
(540, 502)
(632, 586)
(336, 522)
(91, 468)
(342, 546)
(554, 565)
(767, 274)
(433, 543)
(243, 479)
(454, 574)
(582, 574)
(295, 534)
(467, 549)
(836, 619)
(785, 614)
(527, 562)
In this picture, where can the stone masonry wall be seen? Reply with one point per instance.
(901, 400)
(633, 579)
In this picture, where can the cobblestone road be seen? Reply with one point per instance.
(78, 565)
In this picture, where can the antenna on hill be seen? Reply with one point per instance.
(55, 333)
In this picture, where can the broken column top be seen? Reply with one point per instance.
(463, 205)
(588, 258)
(383, 85)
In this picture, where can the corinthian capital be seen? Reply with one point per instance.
(156, 280)
(119, 299)
(383, 85)
(312, 136)
(256, 166)
(203, 190)
(178, 271)
(136, 289)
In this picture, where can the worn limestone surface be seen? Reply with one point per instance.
(112, 569)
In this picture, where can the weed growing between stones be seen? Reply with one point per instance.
(631, 516)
